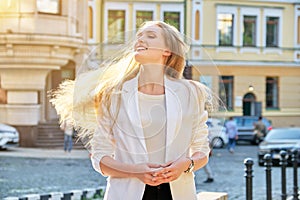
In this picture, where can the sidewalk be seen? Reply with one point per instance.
(44, 153)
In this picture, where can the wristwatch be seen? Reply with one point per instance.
(191, 166)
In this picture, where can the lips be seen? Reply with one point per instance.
(140, 48)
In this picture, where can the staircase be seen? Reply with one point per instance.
(51, 136)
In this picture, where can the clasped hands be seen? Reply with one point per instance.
(156, 174)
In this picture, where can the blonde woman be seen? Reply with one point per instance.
(151, 129)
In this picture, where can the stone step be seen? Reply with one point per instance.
(51, 136)
(47, 144)
(52, 146)
(50, 140)
(212, 196)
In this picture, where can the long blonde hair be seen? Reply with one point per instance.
(86, 99)
(126, 68)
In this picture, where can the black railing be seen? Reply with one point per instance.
(268, 168)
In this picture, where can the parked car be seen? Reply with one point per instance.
(245, 126)
(8, 134)
(217, 134)
(279, 139)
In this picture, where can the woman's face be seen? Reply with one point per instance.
(150, 46)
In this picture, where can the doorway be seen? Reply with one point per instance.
(249, 100)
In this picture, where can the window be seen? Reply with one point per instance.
(272, 27)
(226, 91)
(143, 16)
(48, 6)
(116, 26)
(225, 29)
(67, 74)
(172, 18)
(272, 92)
(251, 31)
(249, 34)
(298, 34)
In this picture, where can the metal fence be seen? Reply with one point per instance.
(268, 168)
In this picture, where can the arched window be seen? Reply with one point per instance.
(3, 95)
(197, 25)
(90, 23)
(298, 24)
(249, 97)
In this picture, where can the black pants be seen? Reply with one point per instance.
(160, 192)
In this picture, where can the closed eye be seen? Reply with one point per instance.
(151, 36)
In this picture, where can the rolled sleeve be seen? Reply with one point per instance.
(102, 145)
(200, 142)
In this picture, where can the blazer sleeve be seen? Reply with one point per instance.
(102, 143)
(200, 141)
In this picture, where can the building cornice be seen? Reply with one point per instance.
(278, 1)
(249, 5)
(39, 49)
(147, 1)
(244, 63)
(40, 39)
(269, 1)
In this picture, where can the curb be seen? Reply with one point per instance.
(90, 193)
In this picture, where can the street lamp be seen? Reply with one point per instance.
(251, 88)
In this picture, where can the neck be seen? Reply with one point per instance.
(151, 79)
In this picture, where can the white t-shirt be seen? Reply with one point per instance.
(153, 118)
(67, 128)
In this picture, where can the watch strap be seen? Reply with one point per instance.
(191, 166)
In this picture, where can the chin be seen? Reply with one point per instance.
(140, 58)
(137, 57)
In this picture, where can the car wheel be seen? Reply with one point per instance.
(217, 142)
(2, 148)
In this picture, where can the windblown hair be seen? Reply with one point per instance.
(92, 91)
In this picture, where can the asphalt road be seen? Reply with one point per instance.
(25, 171)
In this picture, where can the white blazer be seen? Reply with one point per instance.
(186, 133)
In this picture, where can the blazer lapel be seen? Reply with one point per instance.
(130, 99)
(174, 112)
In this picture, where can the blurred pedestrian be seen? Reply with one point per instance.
(68, 135)
(231, 130)
(208, 170)
(260, 128)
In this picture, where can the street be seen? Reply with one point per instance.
(229, 171)
(27, 175)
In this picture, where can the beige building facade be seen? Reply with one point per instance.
(255, 47)
(41, 43)
(247, 51)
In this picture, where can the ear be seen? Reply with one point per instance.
(167, 53)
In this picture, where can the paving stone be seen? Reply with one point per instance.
(53, 171)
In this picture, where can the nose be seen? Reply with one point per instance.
(140, 39)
